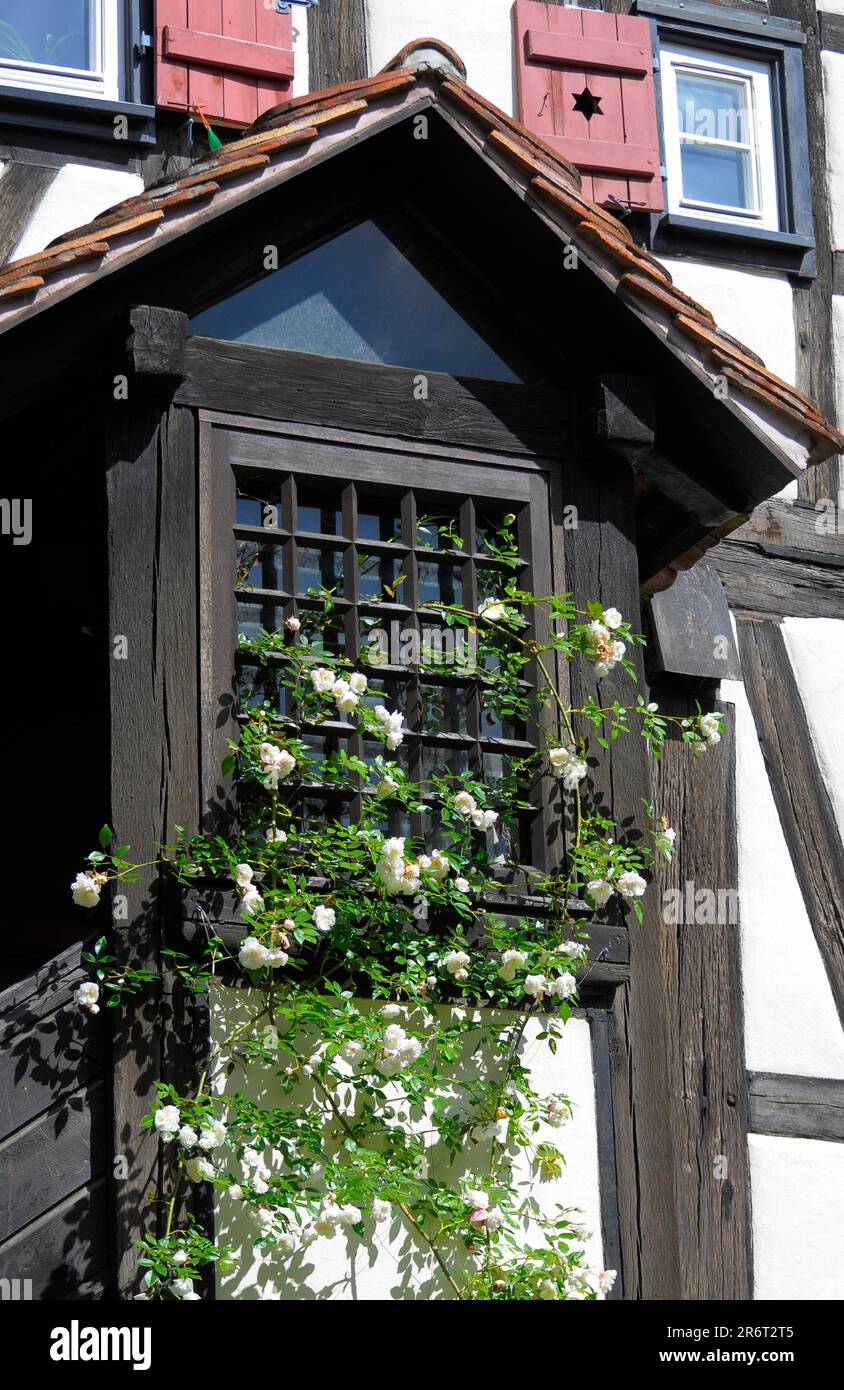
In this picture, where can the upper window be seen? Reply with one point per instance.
(71, 47)
(357, 297)
(720, 150)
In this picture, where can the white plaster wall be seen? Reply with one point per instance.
(78, 193)
(790, 1020)
(816, 649)
(481, 31)
(833, 82)
(798, 1218)
(388, 1264)
(836, 6)
(300, 51)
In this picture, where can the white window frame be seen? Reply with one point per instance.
(759, 140)
(103, 81)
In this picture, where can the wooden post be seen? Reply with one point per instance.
(706, 1033)
(601, 564)
(150, 487)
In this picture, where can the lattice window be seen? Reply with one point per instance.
(385, 552)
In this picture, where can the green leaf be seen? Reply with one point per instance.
(106, 836)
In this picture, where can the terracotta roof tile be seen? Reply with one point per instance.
(671, 299)
(49, 261)
(578, 207)
(495, 118)
(23, 284)
(624, 253)
(380, 85)
(88, 236)
(806, 420)
(453, 57)
(714, 338)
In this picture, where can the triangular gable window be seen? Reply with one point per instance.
(356, 297)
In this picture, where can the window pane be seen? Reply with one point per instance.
(356, 297)
(713, 106)
(55, 33)
(715, 175)
(381, 577)
(440, 582)
(319, 514)
(319, 568)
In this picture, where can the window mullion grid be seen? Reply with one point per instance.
(413, 712)
(351, 591)
(536, 726)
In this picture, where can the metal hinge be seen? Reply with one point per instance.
(285, 6)
(143, 44)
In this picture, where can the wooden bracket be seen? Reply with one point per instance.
(622, 417)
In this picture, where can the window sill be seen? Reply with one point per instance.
(72, 115)
(673, 234)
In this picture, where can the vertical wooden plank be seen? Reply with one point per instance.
(171, 77)
(703, 970)
(217, 627)
(607, 86)
(276, 29)
(601, 564)
(337, 44)
(154, 780)
(205, 87)
(638, 103)
(239, 93)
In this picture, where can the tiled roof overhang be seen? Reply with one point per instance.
(294, 136)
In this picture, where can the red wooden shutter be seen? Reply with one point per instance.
(562, 52)
(234, 58)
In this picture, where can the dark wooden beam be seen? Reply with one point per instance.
(813, 298)
(277, 385)
(600, 563)
(802, 800)
(154, 774)
(706, 1023)
(779, 586)
(22, 186)
(337, 43)
(799, 1107)
(831, 28)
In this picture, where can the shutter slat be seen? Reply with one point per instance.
(587, 53)
(563, 50)
(235, 55)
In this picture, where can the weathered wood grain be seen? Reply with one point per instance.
(799, 1107)
(703, 968)
(806, 814)
(154, 773)
(601, 564)
(22, 186)
(337, 44)
(62, 1251)
(52, 1157)
(778, 584)
(278, 385)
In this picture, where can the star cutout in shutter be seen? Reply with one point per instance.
(587, 104)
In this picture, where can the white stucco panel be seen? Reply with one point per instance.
(388, 1263)
(301, 83)
(481, 31)
(833, 85)
(816, 649)
(790, 1020)
(78, 193)
(755, 307)
(797, 1195)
